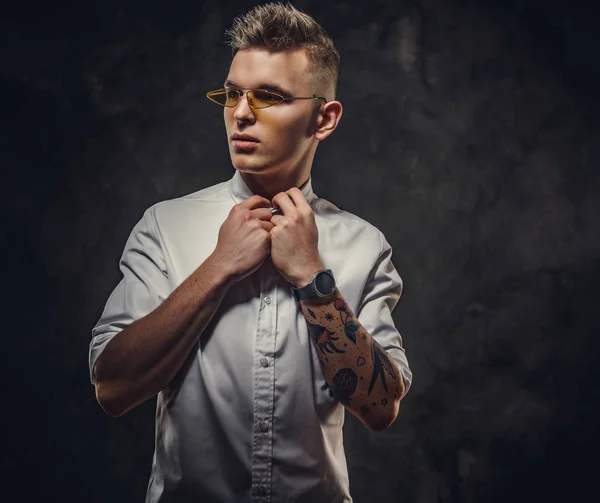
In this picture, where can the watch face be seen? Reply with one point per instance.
(324, 283)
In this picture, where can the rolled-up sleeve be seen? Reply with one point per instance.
(142, 288)
(381, 293)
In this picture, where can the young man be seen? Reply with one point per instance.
(242, 320)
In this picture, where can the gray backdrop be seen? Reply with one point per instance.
(470, 138)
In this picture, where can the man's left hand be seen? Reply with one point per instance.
(295, 238)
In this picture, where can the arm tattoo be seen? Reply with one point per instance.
(350, 327)
(344, 385)
(323, 338)
(380, 362)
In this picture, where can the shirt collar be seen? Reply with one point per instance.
(239, 190)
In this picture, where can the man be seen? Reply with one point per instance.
(242, 320)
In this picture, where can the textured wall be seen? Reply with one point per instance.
(470, 138)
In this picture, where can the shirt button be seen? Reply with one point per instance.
(262, 490)
(264, 427)
(267, 300)
(264, 362)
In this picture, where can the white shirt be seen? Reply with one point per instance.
(252, 419)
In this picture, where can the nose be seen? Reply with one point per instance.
(242, 112)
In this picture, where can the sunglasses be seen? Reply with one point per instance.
(257, 98)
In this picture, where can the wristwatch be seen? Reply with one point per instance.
(321, 285)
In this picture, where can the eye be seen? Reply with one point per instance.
(232, 94)
(267, 97)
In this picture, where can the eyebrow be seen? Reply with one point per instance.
(268, 86)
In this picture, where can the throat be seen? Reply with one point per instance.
(269, 186)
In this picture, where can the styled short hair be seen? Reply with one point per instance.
(277, 27)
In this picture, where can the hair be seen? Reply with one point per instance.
(277, 27)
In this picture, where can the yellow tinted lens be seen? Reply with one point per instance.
(220, 97)
(263, 99)
(231, 97)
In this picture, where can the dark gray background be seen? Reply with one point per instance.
(470, 138)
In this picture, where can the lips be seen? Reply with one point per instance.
(244, 137)
(244, 141)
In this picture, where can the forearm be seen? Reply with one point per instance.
(359, 372)
(143, 358)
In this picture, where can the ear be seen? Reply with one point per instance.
(329, 116)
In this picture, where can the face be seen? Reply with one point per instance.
(284, 132)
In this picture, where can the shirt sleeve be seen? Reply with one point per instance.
(380, 295)
(142, 288)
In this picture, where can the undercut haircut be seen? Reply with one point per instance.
(276, 27)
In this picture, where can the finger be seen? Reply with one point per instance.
(262, 213)
(255, 201)
(283, 201)
(296, 195)
(277, 219)
(266, 225)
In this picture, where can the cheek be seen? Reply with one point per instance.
(227, 117)
(287, 129)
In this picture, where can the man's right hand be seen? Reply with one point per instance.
(244, 240)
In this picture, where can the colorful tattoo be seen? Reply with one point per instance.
(323, 338)
(350, 327)
(344, 383)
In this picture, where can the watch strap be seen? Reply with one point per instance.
(309, 291)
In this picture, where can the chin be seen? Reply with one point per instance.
(248, 165)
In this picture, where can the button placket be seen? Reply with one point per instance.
(264, 385)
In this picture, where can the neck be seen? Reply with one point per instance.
(280, 178)
(270, 185)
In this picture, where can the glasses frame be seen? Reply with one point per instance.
(243, 92)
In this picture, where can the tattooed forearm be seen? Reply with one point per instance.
(360, 374)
